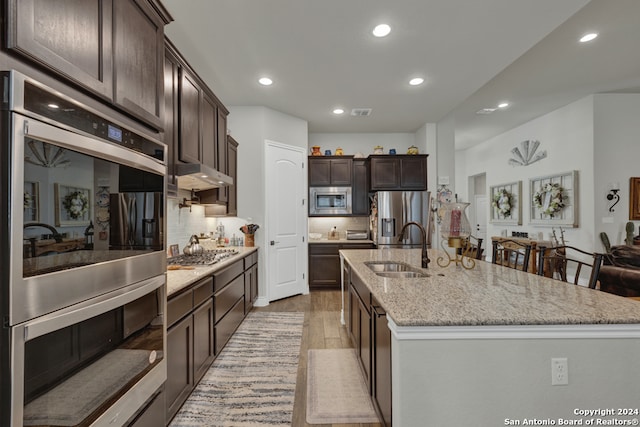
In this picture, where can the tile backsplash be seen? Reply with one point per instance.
(182, 223)
(324, 224)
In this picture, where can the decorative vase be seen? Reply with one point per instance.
(455, 229)
(413, 150)
(315, 151)
(378, 149)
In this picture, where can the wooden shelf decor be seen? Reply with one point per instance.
(506, 203)
(634, 200)
(554, 200)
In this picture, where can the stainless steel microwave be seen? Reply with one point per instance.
(330, 201)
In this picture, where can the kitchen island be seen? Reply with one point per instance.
(475, 347)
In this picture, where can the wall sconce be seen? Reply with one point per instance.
(613, 195)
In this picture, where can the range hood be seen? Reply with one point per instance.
(194, 176)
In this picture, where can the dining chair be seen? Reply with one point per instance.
(512, 254)
(570, 264)
(472, 246)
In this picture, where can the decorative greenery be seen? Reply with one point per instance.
(502, 201)
(76, 204)
(555, 198)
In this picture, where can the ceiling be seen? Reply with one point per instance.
(472, 54)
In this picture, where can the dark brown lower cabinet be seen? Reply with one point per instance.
(190, 345)
(201, 320)
(324, 263)
(360, 324)
(250, 281)
(371, 338)
(324, 266)
(229, 310)
(203, 345)
(381, 352)
(179, 365)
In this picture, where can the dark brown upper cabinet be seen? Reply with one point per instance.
(232, 171)
(360, 187)
(79, 49)
(398, 172)
(112, 48)
(189, 113)
(171, 117)
(209, 137)
(138, 57)
(330, 171)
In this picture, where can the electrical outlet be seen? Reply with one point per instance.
(559, 371)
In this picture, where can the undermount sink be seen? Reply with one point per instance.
(398, 270)
(401, 274)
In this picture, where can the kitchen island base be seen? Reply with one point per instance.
(486, 376)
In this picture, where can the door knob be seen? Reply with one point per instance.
(273, 242)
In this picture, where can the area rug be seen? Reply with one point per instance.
(252, 382)
(336, 390)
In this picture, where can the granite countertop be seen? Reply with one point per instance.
(180, 279)
(489, 294)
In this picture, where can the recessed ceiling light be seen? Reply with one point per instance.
(381, 30)
(338, 111)
(503, 105)
(265, 81)
(588, 37)
(416, 81)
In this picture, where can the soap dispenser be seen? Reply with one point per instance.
(333, 233)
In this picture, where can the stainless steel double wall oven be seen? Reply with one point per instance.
(83, 262)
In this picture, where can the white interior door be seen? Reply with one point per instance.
(286, 183)
(479, 224)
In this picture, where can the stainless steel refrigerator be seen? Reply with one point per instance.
(136, 221)
(391, 210)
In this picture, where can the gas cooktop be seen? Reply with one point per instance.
(206, 258)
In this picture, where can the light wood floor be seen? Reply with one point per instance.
(322, 329)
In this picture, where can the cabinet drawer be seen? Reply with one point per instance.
(227, 297)
(223, 277)
(361, 290)
(179, 306)
(250, 260)
(227, 326)
(323, 249)
(202, 291)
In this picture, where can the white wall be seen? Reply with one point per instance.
(568, 137)
(617, 150)
(250, 126)
(353, 143)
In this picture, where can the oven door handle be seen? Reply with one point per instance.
(133, 220)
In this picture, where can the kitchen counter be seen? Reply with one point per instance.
(478, 347)
(486, 295)
(180, 279)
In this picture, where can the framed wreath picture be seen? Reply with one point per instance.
(506, 204)
(73, 205)
(554, 199)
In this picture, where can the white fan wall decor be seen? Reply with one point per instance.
(526, 153)
(46, 155)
